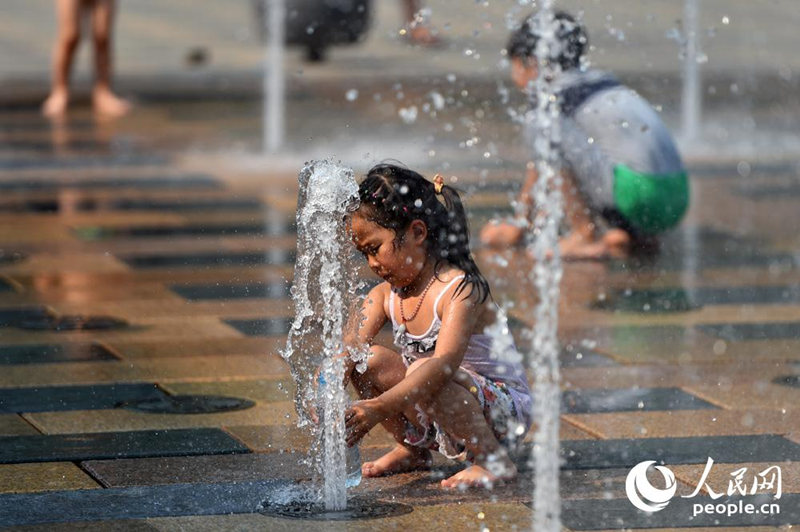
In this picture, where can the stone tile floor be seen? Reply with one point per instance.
(679, 358)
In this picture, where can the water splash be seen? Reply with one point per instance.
(546, 276)
(325, 295)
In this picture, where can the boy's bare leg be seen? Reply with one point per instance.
(384, 370)
(458, 412)
(104, 100)
(68, 14)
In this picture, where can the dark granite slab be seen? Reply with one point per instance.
(47, 147)
(145, 231)
(198, 469)
(768, 192)
(185, 205)
(39, 123)
(74, 162)
(618, 514)
(13, 316)
(33, 206)
(755, 169)
(60, 323)
(586, 401)
(111, 445)
(91, 204)
(598, 454)
(680, 300)
(262, 327)
(735, 332)
(788, 380)
(198, 181)
(575, 356)
(11, 256)
(198, 292)
(50, 353)
(698, 248)
(62, 398)
(135, 503)
(194, 260)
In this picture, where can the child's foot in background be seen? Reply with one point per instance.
(109, 104)
(401, 459)
(55, 105)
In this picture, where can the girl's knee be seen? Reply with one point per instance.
(384, 369)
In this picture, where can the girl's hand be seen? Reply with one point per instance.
(360, 418)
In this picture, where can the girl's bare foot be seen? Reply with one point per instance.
(476, 476)
(109, 104)
(55, 105)
(401, 459)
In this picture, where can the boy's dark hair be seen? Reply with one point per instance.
(393, 197)
(571, 36)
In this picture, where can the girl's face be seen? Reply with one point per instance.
(396, 260)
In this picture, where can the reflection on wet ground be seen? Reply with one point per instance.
(143, 301)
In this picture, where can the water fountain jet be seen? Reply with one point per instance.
(546, 276)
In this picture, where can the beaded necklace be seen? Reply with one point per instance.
(402, 329)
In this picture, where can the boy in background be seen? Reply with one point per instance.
(624, 181)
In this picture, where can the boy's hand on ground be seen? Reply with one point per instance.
(501, 234)
(360, 418)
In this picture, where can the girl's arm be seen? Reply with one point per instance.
(460, 315)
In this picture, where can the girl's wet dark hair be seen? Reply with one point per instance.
(570, 34)
(393, 197)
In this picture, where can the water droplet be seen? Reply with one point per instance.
(438, 100)
(351, 95)
(417, 203)
(408, 114)
(726, 20)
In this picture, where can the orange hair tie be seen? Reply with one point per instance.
(438, 183)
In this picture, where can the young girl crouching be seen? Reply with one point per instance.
(443, 389)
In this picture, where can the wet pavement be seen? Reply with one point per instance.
(145, 267)
(140, 290)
